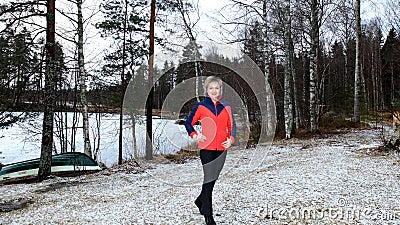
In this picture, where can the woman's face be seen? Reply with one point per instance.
(214, 90)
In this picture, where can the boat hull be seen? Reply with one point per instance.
(66, 164)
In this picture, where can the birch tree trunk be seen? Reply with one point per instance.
(266, 66)
(358, 64)
(392, 86)
(135, 149)
(49, 96)
(197, 66)
(265, 41)
(296, 98)
(314, 66)
(82, 83)
(305, 90)
(96, 148)
(288, 104)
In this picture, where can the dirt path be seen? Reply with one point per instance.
(318, 181)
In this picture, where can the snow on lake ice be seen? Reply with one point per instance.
(22, 141)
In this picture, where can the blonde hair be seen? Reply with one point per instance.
(212, 79)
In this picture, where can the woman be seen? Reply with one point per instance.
(217, 135)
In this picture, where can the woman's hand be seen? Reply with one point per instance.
(227, 143)
(199, 137)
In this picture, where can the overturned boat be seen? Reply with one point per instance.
(65, 164)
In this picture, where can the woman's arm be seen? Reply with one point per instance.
(192, 120)
(231, 125)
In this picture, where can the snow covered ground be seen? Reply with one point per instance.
(324, 180)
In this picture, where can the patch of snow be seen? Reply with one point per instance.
(316, 181)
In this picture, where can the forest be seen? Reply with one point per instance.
(323, 59)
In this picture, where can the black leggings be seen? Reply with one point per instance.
(212, 162)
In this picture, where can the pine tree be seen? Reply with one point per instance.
(253, 43)
(391, 70)
(126, 22)
(187, 68)
(49, 100)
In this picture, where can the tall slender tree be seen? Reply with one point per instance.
(121, 112)
(357, 74)
(149, 106)
(182, 8)
(126, 22)
(82, 82)
(288, 95)
(314, 65)
(49, 98)
(266, 60)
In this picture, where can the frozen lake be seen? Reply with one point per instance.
(22, 141)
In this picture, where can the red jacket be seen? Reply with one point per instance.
(217, 123)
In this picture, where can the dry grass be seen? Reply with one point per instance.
(328, 125)
(182, 156)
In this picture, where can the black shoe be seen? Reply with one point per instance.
(209, 220)
(199, 204)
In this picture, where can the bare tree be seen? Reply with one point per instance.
(392, 12)
(238, 19)
(74, 33)
(182, 8)
(82, 82)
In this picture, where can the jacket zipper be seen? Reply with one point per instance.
(216, 121)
